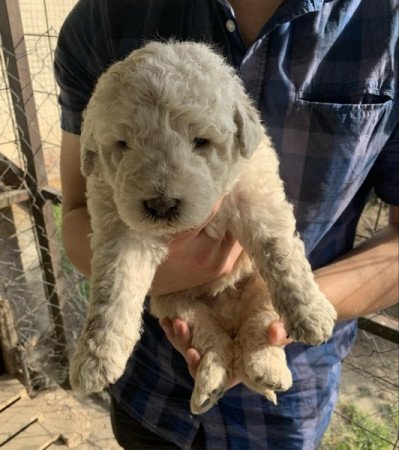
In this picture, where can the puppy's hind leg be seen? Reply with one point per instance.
(213, 373)
(262, 367)
(216, 367)
(213, 343)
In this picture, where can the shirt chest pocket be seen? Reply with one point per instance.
(346, 132)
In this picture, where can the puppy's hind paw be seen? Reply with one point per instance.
(209, 387)
(202, 402)
(266, 370)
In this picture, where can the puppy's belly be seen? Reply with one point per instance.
(220, 309)
(228, 309)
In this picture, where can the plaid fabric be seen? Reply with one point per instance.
(324, 75)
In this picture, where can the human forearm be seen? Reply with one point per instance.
(195, 258)
(75, 232)
(365, 280)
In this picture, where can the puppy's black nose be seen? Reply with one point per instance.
(162, 207)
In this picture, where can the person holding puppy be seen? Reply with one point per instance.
(323, 77)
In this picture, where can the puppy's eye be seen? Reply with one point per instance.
(122, 145)
(200, 143)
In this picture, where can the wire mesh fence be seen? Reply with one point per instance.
(44, 291)
(48, 297)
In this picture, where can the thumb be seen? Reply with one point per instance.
(277, 334)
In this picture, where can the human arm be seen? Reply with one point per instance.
(75, 217)
(365, 280)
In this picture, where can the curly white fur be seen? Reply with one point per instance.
(172, 121)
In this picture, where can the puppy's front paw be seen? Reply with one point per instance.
(312, 324)
(93, 371)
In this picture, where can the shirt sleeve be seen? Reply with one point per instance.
(385, 172)
(81, 55)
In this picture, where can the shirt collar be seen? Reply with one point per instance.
(286, 12)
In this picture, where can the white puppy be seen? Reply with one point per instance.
(168, 132)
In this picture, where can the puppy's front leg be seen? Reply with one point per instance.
(265, 225)
(122, 272)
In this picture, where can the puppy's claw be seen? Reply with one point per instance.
(271, 396)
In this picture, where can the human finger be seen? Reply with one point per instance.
(179, 335)
(277, 334)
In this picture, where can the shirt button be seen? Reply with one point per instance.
(230, 25)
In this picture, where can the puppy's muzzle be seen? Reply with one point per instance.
(162, 207)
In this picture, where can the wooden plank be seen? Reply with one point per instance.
(11, 261)
(52, 194)
(8, 338)
(62, 414)
(82, 424)
(8, 198)
(10, 390)
(16, 417)
(35, 437)
(57, 446)
(11, 175)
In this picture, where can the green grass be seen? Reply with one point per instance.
(353, 429)
(390, 414)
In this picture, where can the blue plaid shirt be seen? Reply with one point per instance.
(324, 75)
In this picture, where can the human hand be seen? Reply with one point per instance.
(194, 258)
(179, 335)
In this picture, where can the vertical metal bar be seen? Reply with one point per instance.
(19, 80)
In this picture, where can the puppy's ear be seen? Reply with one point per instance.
(249, 128)
(89, 163)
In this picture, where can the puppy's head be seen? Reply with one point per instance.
(167, 128)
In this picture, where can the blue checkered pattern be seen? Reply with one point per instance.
(324, 75)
